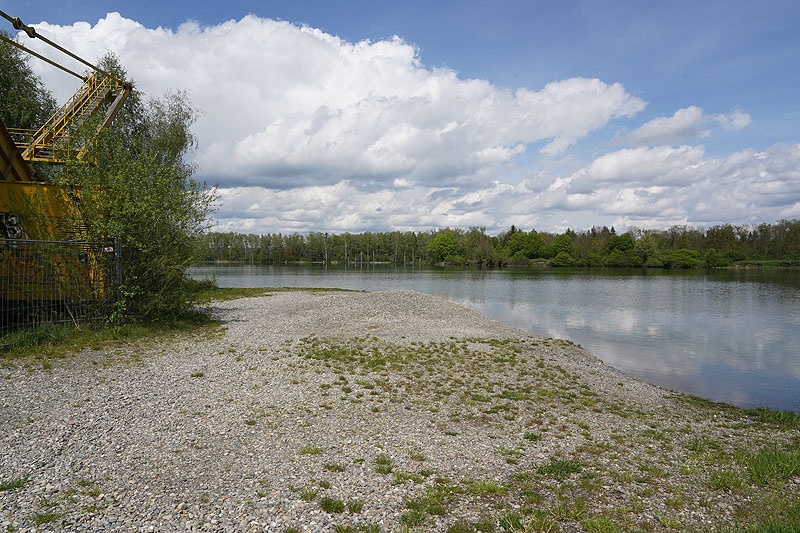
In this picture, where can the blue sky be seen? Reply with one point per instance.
(731, 66)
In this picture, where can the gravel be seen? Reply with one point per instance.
(225, 429)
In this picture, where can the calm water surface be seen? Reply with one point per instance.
(729, 335)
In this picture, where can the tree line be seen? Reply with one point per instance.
(680, 246)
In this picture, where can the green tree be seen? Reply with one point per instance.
(562, 243)
(443, 246)
(622, 242)
(562, 259)
(24, 100)
(142, 193)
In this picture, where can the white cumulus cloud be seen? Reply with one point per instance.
(291, 106)
(733, 121)
(685, 125)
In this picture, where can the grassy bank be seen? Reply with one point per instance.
(57, 340)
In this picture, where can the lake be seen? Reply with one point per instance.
(728, 335)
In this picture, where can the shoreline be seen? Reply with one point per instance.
(404, 409)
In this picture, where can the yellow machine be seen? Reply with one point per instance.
(34, 211)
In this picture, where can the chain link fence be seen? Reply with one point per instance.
(56, 281)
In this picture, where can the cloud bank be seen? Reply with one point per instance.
(305, 131)
(290, 106)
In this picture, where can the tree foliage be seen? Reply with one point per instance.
(596, 247)
(141, 193)
(25, 102)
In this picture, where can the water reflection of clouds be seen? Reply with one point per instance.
(731, 336)
(678, 343)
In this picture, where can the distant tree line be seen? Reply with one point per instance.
(676, 247)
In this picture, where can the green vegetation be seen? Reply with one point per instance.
(332, 505)
(13, 484)
(58, 340)
(141, 191)
(560, 469)
(776, 245)
(310, 450)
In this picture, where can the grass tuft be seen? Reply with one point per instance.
(560, 469)
(14, 484)
(331, 505)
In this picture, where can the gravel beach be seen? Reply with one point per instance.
(348, 411)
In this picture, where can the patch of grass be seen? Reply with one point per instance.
(412, 518)
(384, 463)
(417, 456)
(14, 484)
(196, 375)
(533, 437)
(332, 505)
(308, 494)
(59, 340)
(310, 450)
(333, 467)
(567, 510)
(511, 522)
(44, 518)
(461, 527)
(560, 469)
(600, 524)
(784, 419)
(773, 464)
(402, 477)
(725, 480)
(770, 514)
(355, 506)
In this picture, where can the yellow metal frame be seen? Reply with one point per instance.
(56, 140)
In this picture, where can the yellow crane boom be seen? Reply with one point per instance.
(56, 141)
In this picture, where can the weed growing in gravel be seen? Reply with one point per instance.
(333, 467)
(384, 463)
(533, 437)
(324, 484)
(413, 518)
(560, 469)
(416, 456)
(331, 505)
(196, 375)
(310, 450)
(308, 494)
(355, 506)
(44, 518)
(402, 477)
(461, 527)
(13, 484)
(600, 524)
(725, 480)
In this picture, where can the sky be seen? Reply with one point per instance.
(380, 116)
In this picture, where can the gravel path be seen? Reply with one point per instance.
(323, 411)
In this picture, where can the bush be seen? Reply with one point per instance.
(562, 259)
(142, 194)
(683, 258)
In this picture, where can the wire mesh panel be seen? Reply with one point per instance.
(55, 281)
